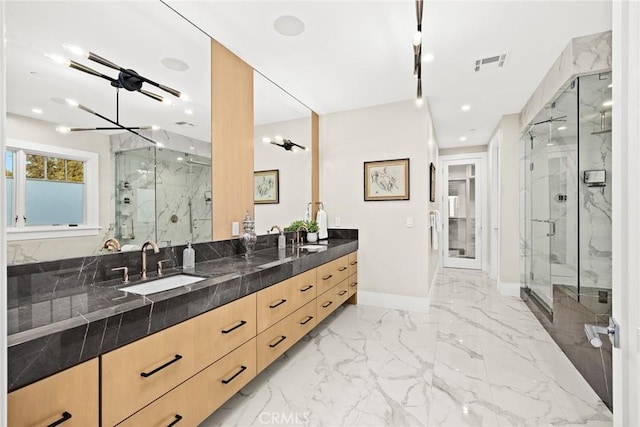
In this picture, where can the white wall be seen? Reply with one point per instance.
(509, 199)
(392, 258)
(39, 131)
(295, 172)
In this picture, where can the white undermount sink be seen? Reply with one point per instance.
(164, 284)
(313, 248)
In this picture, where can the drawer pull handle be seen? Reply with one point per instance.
(354, 262)
(242, 369)
(306, 288)
(327, 277)
(65, 416)
(275, 344)
(342, 268)
(342, 292)
(327, 304)
(354, 284)
(239, 325)
(307, 320)
(176, 420)
(159, 368)
(282, 301)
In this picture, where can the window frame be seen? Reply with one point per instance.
(20, 230)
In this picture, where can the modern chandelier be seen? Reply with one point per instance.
(417, 52)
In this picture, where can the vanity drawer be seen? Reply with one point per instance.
(72, 393)
(223, 329)
(353, 284)
(194, 400)
(332, 299)
(353, 263)
(280, 337)
(278, 301)
(138, 373)
(332, 273)
(223, 379)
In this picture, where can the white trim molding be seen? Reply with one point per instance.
(509, 289)
(396, 302)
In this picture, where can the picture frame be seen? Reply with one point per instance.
(386, 180)
(432, 182)
(266, 187)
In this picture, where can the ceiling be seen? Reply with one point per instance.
(352, 54)
(356, 54)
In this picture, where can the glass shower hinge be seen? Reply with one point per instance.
(613, 331)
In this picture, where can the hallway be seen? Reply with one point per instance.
(478, 359)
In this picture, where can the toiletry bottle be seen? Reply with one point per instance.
(282, 241)
(188, 258)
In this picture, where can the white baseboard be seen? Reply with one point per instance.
(509, 289)
(398, 302)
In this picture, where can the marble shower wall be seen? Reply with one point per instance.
(595, 201)
(162, 189)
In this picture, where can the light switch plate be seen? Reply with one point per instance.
(409, 222)
(235, 228)
(337, 221)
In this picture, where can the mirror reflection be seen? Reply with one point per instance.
(143, 109)
(280, 120)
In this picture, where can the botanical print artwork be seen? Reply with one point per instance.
(386, 180)
(265, 186)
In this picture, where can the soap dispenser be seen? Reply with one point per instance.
(282, 241)
(188, 258)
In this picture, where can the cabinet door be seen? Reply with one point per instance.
(220, 331)
(353, 284)
(69, 398)
(332, 273)
(353, 263)
(280, 337)
(278, 301)
(138, 373)
(332, 299)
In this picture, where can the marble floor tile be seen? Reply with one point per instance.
(477, 358)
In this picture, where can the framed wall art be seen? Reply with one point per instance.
(386, 180)
(432, 182)
(266, 187)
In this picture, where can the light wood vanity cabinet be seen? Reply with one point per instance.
(278, 301)
(332, 273)
(182, 374)
(69, 398)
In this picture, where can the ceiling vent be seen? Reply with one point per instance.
(183, 123)
(490, 63)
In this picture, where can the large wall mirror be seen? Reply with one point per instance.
(279, 120)
(68, 189)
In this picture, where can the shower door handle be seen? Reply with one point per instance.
(552, 226)
(552, 229)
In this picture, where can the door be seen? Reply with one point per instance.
(462, 213)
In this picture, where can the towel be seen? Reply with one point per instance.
(321, 219)
(436, 228)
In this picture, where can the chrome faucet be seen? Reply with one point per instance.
(112, 245)
(145, 246)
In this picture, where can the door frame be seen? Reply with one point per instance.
(481, 190)
(625, 207)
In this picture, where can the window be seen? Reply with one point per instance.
(51, 191)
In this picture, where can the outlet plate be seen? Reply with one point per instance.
(235, 228)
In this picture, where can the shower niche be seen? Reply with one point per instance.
(567, 224)
(162, 195)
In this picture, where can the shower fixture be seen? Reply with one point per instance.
(613, 331)
(603, 123)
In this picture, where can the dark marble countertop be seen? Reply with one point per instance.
(53, 330)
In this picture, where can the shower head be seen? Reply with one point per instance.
(603, 120)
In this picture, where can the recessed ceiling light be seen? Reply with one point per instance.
(174, 64)
(63, 129)
(562, 128)
(428, 57)
(36, 110)
(465, 107)
(179, 159)
(288, 25)
(188, 111)
(607, 103)
(155, 127)
(610, 86)
(167, 101)
(463, 138)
